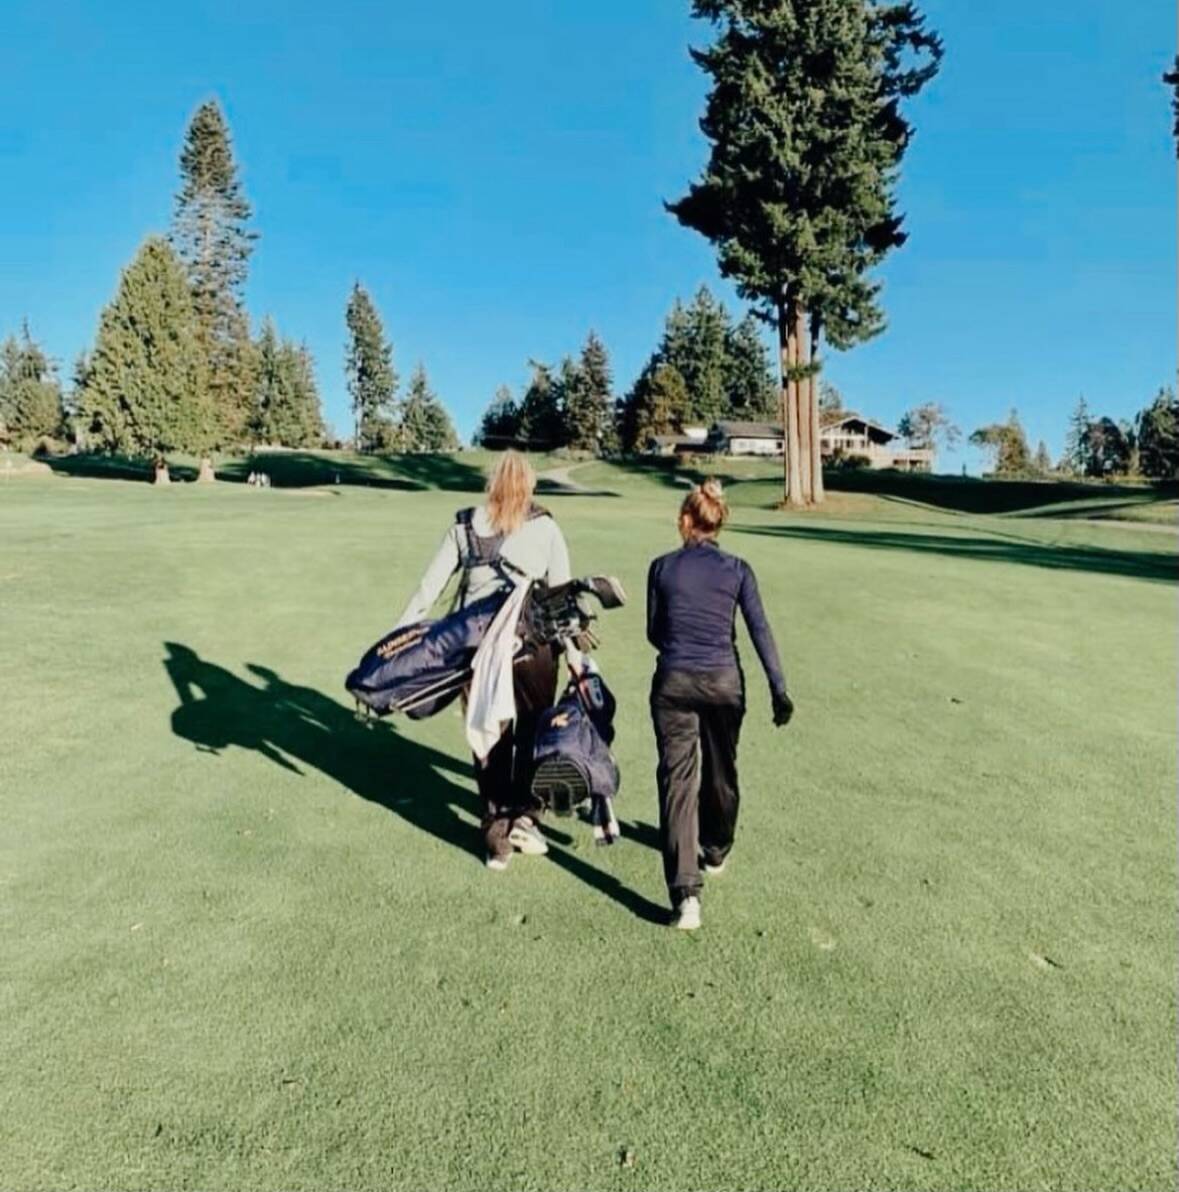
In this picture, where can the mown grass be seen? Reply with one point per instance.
(247, 942)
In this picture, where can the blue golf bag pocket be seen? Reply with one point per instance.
(571, 761)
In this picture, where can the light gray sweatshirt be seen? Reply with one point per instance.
(537, 548)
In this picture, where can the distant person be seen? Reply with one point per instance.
(698, 694)
(507, 540)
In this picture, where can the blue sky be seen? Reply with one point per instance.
(494, 175)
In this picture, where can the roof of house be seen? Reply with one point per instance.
(843, 417)
(749, 430)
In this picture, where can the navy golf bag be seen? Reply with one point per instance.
(572, 762)
(420, 669)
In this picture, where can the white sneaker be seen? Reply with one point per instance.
(525, 838)
(497, 862)
(687, 915)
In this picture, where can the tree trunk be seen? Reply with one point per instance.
(806, 436)
(788, 356)
(818, 492)
(206, 475)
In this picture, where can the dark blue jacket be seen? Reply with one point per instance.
(692, 599)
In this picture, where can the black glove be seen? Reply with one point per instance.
(783, 708)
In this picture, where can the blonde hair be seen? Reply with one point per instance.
(704, 511)
(509, 492)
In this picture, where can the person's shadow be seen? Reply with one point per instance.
(300, 728)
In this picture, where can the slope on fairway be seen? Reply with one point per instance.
(248, 941)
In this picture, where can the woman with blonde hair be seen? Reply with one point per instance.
(506, 540)
(698, 694)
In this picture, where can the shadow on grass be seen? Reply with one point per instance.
(969, 494)
(296, 469)
(1148, 565)
(299, 728)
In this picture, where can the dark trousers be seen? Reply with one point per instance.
(505, 778)
(697, 717)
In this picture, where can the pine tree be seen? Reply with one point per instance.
(660, 405)
(806, 140)
(311, 429)
(700, 354)
(425, 423)
(286, 410)
(211, 235)
(749, 387)
(541, 423)
(372, 383)
(1110, 448)
(1076, 442)
(1043, 461)
(1158, 437)
(441, 435)
(501, 420)
(31, 407)
(145, 391)
(588, 402)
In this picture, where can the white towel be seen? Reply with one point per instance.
(491, 706)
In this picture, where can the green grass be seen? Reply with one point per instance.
(246, 942)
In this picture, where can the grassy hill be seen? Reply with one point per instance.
(248, 941)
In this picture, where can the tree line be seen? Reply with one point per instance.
(706, 366)
(174, 366)
(1097, 447)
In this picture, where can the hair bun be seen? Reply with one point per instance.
(713, 488)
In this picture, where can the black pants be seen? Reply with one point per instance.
(697, 717)
(505, 778)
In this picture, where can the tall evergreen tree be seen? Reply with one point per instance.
(144, 390)
(722, 364)
(211, 235)
(589, 404)
(698, 350)
(1043, 461)
(372, 383)
(287, 409)
(1076, 449)
(807, 137)
(1158, 437)
(31, 405)
(749, 387)
(659, 405)
(1109, 448)
(425, 423)
(541, 409)
(501, 420)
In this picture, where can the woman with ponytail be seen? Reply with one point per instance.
(698, 694)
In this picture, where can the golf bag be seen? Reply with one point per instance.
(572, 762)
(421, 669)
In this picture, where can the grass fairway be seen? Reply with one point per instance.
(247, 942)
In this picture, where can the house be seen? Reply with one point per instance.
(692, 441)
(745, 438)
(848, 434)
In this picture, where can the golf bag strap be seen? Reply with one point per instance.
(485, 552)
